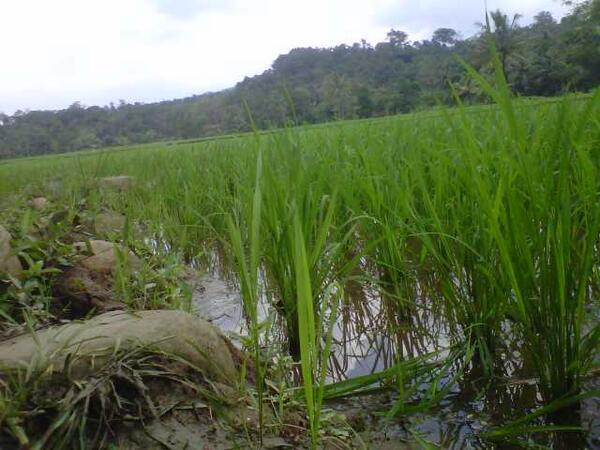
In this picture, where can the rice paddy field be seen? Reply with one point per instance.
(433, 279)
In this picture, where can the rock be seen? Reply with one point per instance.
(38, 203)
(109, 222)
(63, 216)
(88, 284)
(120, 182)
(9, 263)
(87, 345)
(104, 256)
(85, 290)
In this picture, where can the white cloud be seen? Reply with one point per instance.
(421, 18)
(61, 51)
(185, 9)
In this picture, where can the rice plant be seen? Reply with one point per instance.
(481, 221)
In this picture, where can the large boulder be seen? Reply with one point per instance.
(83, 347)
(9, 263)
(87, 285)
(120, 182)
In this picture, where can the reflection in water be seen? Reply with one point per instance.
(362, 342)
(219, 303)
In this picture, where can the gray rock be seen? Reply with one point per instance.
(87, 345)
(9, 263)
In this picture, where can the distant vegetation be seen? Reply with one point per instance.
(311, 85)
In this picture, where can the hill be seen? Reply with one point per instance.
(312, 85)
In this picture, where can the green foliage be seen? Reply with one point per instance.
(245, 241)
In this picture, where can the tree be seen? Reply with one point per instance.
(543, 19)
(504, 35)
(337, 95)
(397, 38)
(582, 42)
(445, 36)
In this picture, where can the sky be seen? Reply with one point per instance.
(57, 52)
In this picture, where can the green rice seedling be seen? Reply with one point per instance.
(286, 196)
(413, 368)
(461, 257)
(247, 255)
(315, 343)
(544, 218)
(479, 224)
(383, 195)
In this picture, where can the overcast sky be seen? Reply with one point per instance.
(56, 52)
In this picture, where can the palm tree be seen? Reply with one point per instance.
(504, 35)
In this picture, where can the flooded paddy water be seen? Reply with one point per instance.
(362, 346)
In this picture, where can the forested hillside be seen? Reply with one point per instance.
(310, 85)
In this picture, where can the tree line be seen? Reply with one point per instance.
(311, 85)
